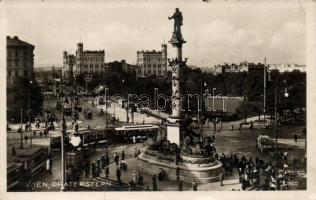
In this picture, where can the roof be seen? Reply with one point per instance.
(15, 41)
(136, 127)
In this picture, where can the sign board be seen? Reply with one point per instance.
(173, 133)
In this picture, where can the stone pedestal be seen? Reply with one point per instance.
(202, 173)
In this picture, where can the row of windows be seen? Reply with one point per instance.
(96, 66)
(16, 73)
(16, 64)
(150, 72)
(17, 53)
(93, 59)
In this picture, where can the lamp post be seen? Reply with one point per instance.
(213, 97)
(29, 113)
(21, 126)
(264, 89)
(63, 132)
(106, 106)
(286, 94)
(127, 102)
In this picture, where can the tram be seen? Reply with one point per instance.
(136, 133)
(33, 159)
(88, 137)
(14, 175)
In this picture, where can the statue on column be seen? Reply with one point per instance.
(178, 22)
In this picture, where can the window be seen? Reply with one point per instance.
(9, 54)
(25, 54)
(91, 66)
(9, 73)
(85, 66)
(16, 73)
(16, 54)
(9, 63)
(25, 73)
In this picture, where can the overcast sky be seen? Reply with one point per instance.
(215, 32)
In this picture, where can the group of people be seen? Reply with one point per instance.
(257, 172)
(98, 166)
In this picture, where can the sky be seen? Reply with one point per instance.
(216, 32)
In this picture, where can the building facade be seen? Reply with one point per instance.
(83, 62)
(69, 62)
(152, 62)
(20, 60)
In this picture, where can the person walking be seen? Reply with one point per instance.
(118, 174)
(154, 179)
(295, 137)
(26, 138)
(221, 177)
(13, 151)
(194, 185)
(87, 168)
(50, 165)
(213, 138)
(180, 186)
(135, 177)
(107, 172)
(116, 159)
(123, 155)
(103, 161)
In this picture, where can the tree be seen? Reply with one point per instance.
(24, 94)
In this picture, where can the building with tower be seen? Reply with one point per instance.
(152, 62)
(20, 60)
(83, 62)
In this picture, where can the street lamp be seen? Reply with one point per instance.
(127, 102)
(286, 94)
(213, 97)
(29, 113)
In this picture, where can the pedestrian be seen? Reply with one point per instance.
(98, 168)
(47, 164)
(34, 133)
(103, 160)
(87, 168)
(123, 155)
(93, 167)
(13, 151)
(154, 179)
(295, 137)
(26, 138)
(118, 174)
(194, 185)
(116, 159)
(41, 134)
(180, 186)
(135, 177)
(221, 177)
(213, 138)
(50, 165)
(107, 172)
(45, 134)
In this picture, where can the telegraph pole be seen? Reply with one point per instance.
(264, 89)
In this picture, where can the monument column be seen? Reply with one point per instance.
(176, 64)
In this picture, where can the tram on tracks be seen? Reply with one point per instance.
(31, 160)
(14, 175)
(136, 133)
(92, 136)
